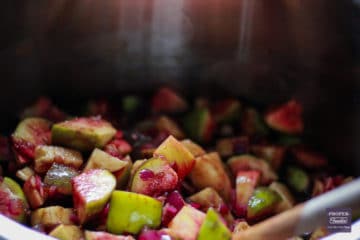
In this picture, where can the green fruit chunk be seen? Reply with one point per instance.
(83, 134)
(131, 212)
(177, 155)
(60, 176)
(154, 177)
(91, 191)
(13, 203)
(252, 123)
(186, 224)
(33, 130)
(195, 149)
(199, 125)
(209, 171)
(297, 179)
(287, 200)
(52, 216)
(45, 156)
(213, 228)
(90, 235)
(262, 203)
(67, 232)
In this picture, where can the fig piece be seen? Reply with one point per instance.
(226, 111)
(45, 156)
(169, 126)
(83, 134)
(67, 232)
(60, 177)
(262, 203)
(179, 158)
(91, 191)
(131, 212)
(246, 181)
(209, 171)
(13, 203)
(154, 177)
(195, 149)
(287, 199)
(199, 125)
(213, 228)
(273, 154)
(167, 101)
(286, 118)
(52, 216)
(91, 235)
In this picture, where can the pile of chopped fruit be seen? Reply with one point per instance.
(166, 171)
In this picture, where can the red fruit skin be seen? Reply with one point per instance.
(34, 191)
(286, 118)
(11, 207)
(118, 148)
(166, 100)
(174, 203)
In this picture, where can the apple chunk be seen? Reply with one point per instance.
(154, 177)
(177, 155)
(83, 134)
(213, 228)
(131, 212)
(91, 191)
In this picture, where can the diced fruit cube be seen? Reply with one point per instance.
(199, 125)
(308, 158)
(45, 156)
(60, 176)
(252, 123)
(195, 149)
(297, 179)
(52, 216)
(90, 235)
(167, 125)
(246, 181)
(231, 146)
(262, 203)
(287, 200)
(173, 204)
(13, 203)
(83, 134)
(209, 171)
(272, 153)
(213, 228)
(286, 118)
(154, 177)
(226, 110)
(249, 162)
(130, 212)
(207, 198)
(154, 235)
(25, 173)
(118, 148)
(177, 155)
(186, 224)
(166, 100)
(91, 191)
(67, 232)
(34, 191)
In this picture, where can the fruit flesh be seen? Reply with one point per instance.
(262, 203)
(66, 232)
(213, 228)
(246, 182)
(52, 216)
(60, 176)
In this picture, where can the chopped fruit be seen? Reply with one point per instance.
(67, 232)
(154, 235)
(194, 148)
(297, 179)
(200, 125)
(248, 162)
(252, 123)
(25, 173)
(174, 203)
(166, 100)
(60, 176)
(83, 134)
(136, 166)
(137, 211)
(167, 125)
(118, 148)
(209, 171)
(231, 146)
(273, 154)
(286, 118)
(309, 158)
(287, 200)
(34, 191)
(213, 228)
(154, 178)
(177, 155)
(241, 226)
(262, 203)
(226, 110)
(207, 198)
(90, 235)
(91, 191)
(246, 181)
(186, 224)
(45, 156)
(52, 216)
(30, 133)
(13, 203)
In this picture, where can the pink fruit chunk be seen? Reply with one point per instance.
(166, 100)
(246, 182)
(174, 203)
(34, 191)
